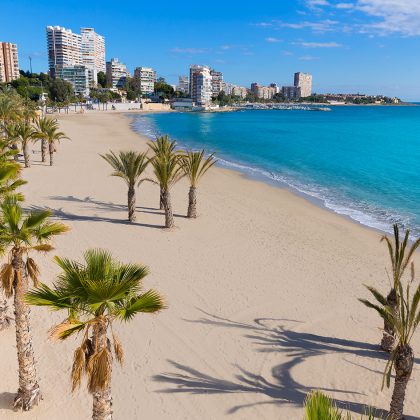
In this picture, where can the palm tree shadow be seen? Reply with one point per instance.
(6, 400)
(108, 205)
(63, 215)
(298, 346)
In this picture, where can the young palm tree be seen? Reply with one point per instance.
(129, 166)
(162, 147)
(400, 255)
(404, 320)
(95, 293)
(43, 125)
(19, 235)
(52, 136)
(25, 134)
(195, 165)
(167, 172)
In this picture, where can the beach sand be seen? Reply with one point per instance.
(261, 290)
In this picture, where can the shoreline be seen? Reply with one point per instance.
(258, 175)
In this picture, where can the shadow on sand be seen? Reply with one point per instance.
(283, 389)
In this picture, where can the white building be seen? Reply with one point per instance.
(201, 85)
(145, 78)
(93, 52)
(304, 82)
(116, 73)
(68, 49)
(183, 84)
(64, 49)
(78, 76)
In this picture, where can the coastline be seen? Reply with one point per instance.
(262, 293)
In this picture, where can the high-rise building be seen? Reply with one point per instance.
(68, 49)
(9, 62)
(304, 82)
(183, 84)
(216, 82)
(291, 92)
(78, 76)
(144, 79)
(200, 85)
(116, 73)
(64, 49)
(93, 51)
(263, 92)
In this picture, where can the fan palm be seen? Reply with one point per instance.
(129, 166)
(162, 147)
(20, 234)
(167, 172)
(43, 125)
(400, 255)
(25, 133)
(404, 320)
(195, 165)
(95, 293)
(52, 136)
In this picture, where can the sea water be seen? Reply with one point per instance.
(359, 161)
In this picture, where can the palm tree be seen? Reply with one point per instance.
(95, 293)
(162, 147)
(52, 136)
(19, 235)
(400, 256)
(43, 125)
(129, 166)
(195, 166)
(167, 172)
(404, 320)
(25, 133)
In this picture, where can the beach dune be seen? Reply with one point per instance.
(261, 291)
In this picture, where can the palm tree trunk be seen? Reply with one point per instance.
(403, 367)
(161, 199)
(388, 338)
(4, 318)
(44, 147)
(131, 203)
(51, 150)
(192, 202)
(169, 217)
(28, 394)
(26, 156)
(102, 399)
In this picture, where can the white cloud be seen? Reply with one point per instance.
(178, 50)
(321, 26)
(319, 44)
(308, 58)
(272, 39)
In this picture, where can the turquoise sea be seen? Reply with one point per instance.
(362, 162)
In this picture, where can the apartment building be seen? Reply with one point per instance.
(263, 92)
(240, 91)
(78, 76)
(64, 49)
(116, 73)
(92, 51)
(304, 82)
(144, 79)
(291, 92)
(201, 85)
(9, 62)
(216, 82)
(183, 84)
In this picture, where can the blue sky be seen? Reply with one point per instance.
(370, 46)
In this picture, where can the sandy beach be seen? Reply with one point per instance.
(261, 290)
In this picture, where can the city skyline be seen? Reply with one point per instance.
(349, 46)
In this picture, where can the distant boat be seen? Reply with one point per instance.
(325, 109)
